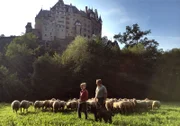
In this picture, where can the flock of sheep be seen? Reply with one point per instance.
(122, 106)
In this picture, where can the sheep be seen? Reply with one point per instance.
(25, 105)
(62, 105)
(38, 105)
(109, 104)
(15, 105)
(156, 104)
(72, 104)
(116, 106)
(140, 105)
(56, 105)
(149, 103)
(48, 104)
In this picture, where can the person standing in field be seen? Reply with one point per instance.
(82, 106)
(100, 93)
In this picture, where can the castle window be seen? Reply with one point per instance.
(67, 22)
(50, 34)
(61, 21)
(45, 35)
(84, 35)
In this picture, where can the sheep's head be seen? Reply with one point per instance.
(31, 103)
(53, 99)
(146, 99)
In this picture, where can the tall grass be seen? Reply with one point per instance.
(167, 115)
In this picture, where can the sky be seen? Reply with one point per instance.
(162, 17)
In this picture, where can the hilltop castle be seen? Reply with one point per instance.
(65, 22)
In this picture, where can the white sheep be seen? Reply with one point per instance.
(38, 105)
(140, 105)
(15, 105)
(48, 104)
(109, 104)
(156, 104)
(62, 105)
(56, 105)
(25, 105)
(72, 104)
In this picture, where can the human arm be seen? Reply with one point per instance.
(105, 93)
(95, 98)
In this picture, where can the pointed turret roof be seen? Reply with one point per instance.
(100, 18)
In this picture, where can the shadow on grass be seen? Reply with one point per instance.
(142, 112)
(171, 110)
(27, 113)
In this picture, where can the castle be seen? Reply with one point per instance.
(64, 22)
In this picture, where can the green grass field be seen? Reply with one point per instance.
(167, 115)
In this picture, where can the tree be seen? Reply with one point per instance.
(49, 76)
(10, 86)
(166, 78)
(134, 35)
(89, 60)
(20, 54)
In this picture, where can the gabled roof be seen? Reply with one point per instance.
(83, 13)
(58, 3)
(43, 13)
(74, 8)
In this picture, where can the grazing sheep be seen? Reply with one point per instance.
(156, 104)
(149, 103)
(116, 106)
(140, 105)
(109, 104)
(25, 105)
(53, 99)
(56, 105)
(15, 105)
(62, 105)
(48, 104)
(38, 105)
(72, 104)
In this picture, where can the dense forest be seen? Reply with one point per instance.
(28, 70)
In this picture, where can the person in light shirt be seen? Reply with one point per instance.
(100, 93)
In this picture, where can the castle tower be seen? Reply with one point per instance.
(28, 27)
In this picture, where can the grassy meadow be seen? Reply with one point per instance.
(167, 115)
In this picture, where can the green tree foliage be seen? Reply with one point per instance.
(133, 35)
(49, 78)
(165, 81)
(10, 86)
(21, 54)
(138, 70)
